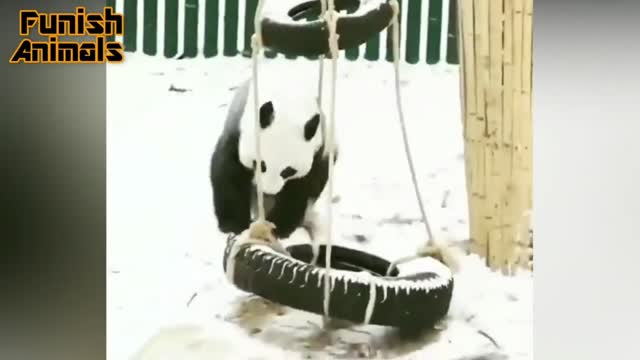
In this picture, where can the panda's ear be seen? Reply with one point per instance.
(266, 114)
(311, 127)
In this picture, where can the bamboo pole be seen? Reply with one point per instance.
(495, 70)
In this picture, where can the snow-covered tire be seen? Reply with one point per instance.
(284, 29)
(413, 297)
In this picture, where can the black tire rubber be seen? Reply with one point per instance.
(311, 38)
(292, 282)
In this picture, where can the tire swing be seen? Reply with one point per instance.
(344, 283)
(299, 30)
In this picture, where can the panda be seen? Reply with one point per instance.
(294, 164)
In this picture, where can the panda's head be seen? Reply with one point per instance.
(290, 136)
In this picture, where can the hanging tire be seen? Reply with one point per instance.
(299, 30)
(412, 300)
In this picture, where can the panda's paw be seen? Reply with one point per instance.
(262, 230)
(446, 254)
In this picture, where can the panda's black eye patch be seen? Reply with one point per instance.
(288, 172)
(264, 166)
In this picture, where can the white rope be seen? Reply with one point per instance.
(323, 12)
(315, 246)
(256, 45)
(323, 121)
(371, 304)
(400, 261)
(396, 64)
(331, 18)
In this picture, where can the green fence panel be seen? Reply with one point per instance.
(354, 52)
(230, 28)
(111, 4)
(270, 54)
(452, 34)
(414, 15)
(211, 28)
(190, 29)
(434, 31)
(130, 25)
(170, 28)
(150, 31)
(249, 26)
(372, 49)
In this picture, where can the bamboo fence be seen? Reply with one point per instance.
(496, 69)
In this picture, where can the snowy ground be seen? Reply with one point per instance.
(167, 295)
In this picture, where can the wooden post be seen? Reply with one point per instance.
(495, 71)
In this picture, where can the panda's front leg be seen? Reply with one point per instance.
(288, 211)
(232, 203)
(233, 213)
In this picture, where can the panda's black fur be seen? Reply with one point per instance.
(234, 194)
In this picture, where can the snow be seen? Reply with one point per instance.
(168, 297)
